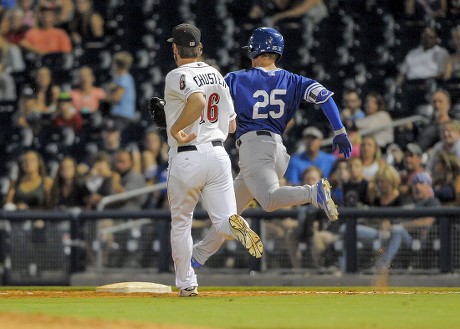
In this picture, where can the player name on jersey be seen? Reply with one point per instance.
(209, 79)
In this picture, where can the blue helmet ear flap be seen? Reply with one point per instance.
(265, 40)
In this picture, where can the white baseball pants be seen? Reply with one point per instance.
(204, 172)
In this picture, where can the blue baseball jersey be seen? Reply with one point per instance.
(267, 100)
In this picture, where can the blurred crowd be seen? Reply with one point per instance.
(74, 80)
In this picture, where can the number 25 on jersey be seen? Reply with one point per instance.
(273, 101)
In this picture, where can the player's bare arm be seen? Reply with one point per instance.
(192, 111)
(232, 126)
(114, 96)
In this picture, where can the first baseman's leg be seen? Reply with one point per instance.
(213, 240)
(183, 197)
(218, 194)
(219, 200)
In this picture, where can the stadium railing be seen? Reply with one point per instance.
(447, 223)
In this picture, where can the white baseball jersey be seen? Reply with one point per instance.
(203, 78)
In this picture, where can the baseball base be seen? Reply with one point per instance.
(128, 287)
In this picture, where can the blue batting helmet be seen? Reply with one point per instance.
(265, 40)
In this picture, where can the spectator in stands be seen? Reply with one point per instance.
(66, 114)
(319, 232)
(446, 178)
(340, 175)
(69, 188)
(121, 92)
(420, 10)
(371, 157)
(387, 187)
(394, 155)
(111, 137)
(46, 38)
(351, 108)
(31, 189)
(87, 25)
(7, 85)
(47, 92)
(99, 180)
(387, 184)
(402, 234)
(412, 163)
(356, 189)
(312, 156)
(11, 56)
(427, 61)
(28, 113)
(64, 10)
(110, 143)
(315, 10)
(312, 228)
(454, 67)
(126, 180)
(454, 8)
(355, 194)
(28, 8)
(154, 156)
(86, 96)
(6, 5)
(377, 119)
(450, 141)
(429, 134)
(14, 25)
(69, 191)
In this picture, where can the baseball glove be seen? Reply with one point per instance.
(157, 111)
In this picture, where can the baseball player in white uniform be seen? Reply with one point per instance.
(199, 114)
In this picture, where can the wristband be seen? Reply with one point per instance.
(340, 131)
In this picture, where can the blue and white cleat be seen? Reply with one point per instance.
(196, 264)
(324, 199)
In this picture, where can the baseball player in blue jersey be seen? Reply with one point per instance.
(266, 99)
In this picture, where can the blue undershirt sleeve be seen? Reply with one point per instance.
(331, 111)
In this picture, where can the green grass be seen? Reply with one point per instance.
(438, 309)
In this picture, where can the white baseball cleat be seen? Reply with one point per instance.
(250, 240)
(189, 292)
(324, 199)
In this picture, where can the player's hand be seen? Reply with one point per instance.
(181, 137)
(343, 143)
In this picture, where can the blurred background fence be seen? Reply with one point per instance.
(47, 248)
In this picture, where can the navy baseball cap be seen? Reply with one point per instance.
(186, 35)
(312, 131)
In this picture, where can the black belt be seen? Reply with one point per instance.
(258, 133)
(187, 148)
